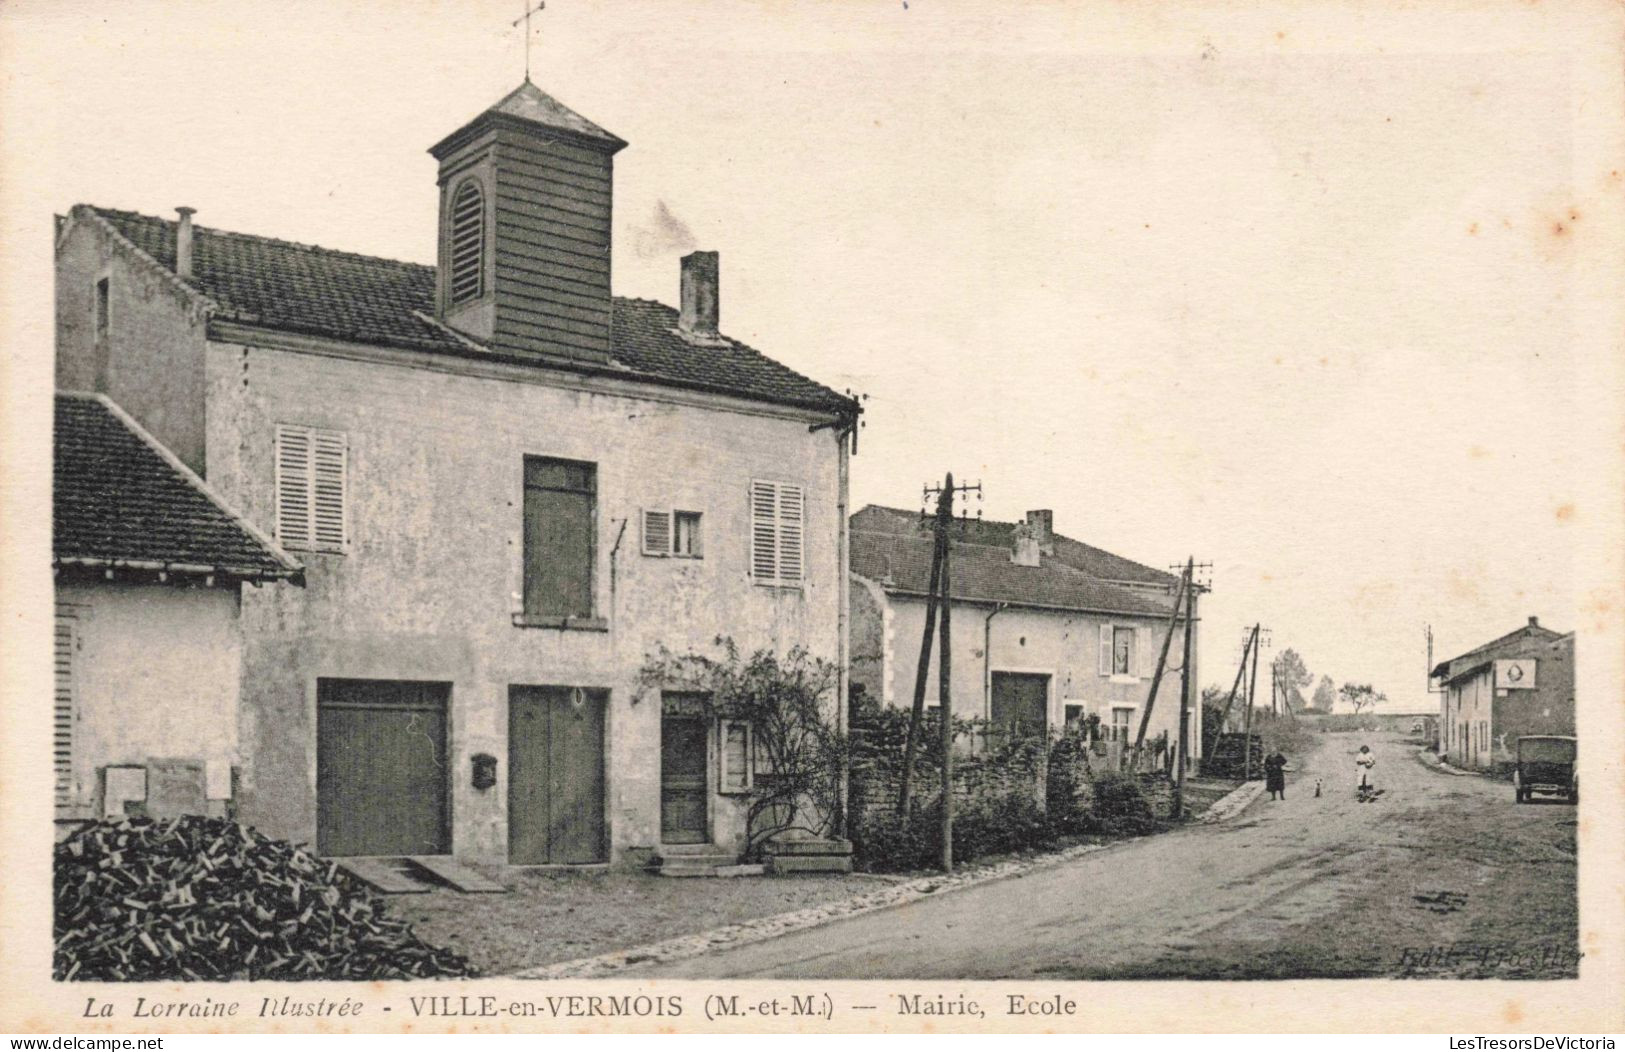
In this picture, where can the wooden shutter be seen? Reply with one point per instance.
(764, 534)
(790, 534)
(311, 487)
(1105, 650)
(293, 485)
(656, 532)
(1143, 640)
(328, 490)
(64, 713)
(733, 772)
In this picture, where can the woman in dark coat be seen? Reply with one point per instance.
(1275, 775)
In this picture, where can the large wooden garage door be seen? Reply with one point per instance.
(1020, 703)
(556, 775)
(381, 786)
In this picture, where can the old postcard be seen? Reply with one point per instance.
(850, 516)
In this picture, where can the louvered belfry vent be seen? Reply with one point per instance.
(468, 242)
(526, 195)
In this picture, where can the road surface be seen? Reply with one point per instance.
(1313, 886)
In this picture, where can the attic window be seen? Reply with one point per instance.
(467, 242)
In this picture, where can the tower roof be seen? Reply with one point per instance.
(531, 106)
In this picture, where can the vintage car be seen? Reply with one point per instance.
(1546, 764)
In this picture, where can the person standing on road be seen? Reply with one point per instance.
(1364, 760)
(1275, 775)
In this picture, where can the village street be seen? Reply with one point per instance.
(1310, 887)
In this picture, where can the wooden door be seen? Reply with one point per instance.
(1020, 703)
(683, 779)
(381, 785)
(556, 776)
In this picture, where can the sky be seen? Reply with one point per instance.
(1294, 296)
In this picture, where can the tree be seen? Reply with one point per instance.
(1293, 676)
(1325, 695)
(786, 702)
(1361, 696)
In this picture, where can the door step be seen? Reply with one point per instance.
(810, 855)
(416, 874)
(700, 860)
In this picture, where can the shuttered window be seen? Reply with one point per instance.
(656, 532)
(1105, 656)
(733, 772)
(467, 242)
(777, 533)
(65, 713)
(560, 512)
(311, 488)
(672, 533)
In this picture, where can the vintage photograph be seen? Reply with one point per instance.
(837, 491)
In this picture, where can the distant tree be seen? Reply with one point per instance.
(1293, 676)
(1361, 696)
(1325, 695)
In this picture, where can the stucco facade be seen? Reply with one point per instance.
(428, 587)
(153, 671)
(1485, 707)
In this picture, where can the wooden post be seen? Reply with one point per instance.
(1162, 661)
(1247, 729)
(917, 714)
(1183, 744)
(1240, 672)
(944, 666)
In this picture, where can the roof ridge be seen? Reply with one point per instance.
(264, 239)
(193, 479)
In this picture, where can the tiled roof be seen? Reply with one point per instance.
(1092, 561)
(319, 291)
(902, 563)
(1509, 645)
(117, 498)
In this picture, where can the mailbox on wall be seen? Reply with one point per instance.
(485, 770)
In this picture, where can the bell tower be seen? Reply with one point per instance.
(526, 190)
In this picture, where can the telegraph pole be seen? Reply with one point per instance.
(1185, 585)
(917, 714)
(941, 599)
(1184, 705)
(1247, 727)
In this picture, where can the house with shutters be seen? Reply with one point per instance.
(1518, 684)
(149, 565)
(504, 487)
(1049, 633)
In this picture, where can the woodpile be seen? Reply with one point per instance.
(208, 899)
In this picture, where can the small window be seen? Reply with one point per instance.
(1119, 729)
(685, 542)
(561, 510)
(467, 236)
(312, 469)
(777, 511)
(733, 772)
(102, 308)
(672, 533)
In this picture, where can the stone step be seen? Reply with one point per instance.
(812, 863)
(668, 850)
(833, 846)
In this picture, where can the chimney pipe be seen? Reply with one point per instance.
(183, 243)
(698, 316)
(1534, 622)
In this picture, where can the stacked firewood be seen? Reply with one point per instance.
(207, 898)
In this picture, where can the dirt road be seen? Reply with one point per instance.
(1310, 887)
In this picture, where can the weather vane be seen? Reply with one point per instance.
(529, 11)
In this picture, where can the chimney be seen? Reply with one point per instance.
(183, 243)
(698, 316)
(1042, 525)
(1534, 622)
(1026, 548)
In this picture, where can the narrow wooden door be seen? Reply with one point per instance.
(556, 775)
(683, 788)
(381, 786)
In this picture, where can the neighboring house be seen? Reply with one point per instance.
(1520, 684)
(148, 565)
(1047, 631)
(507, 488)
